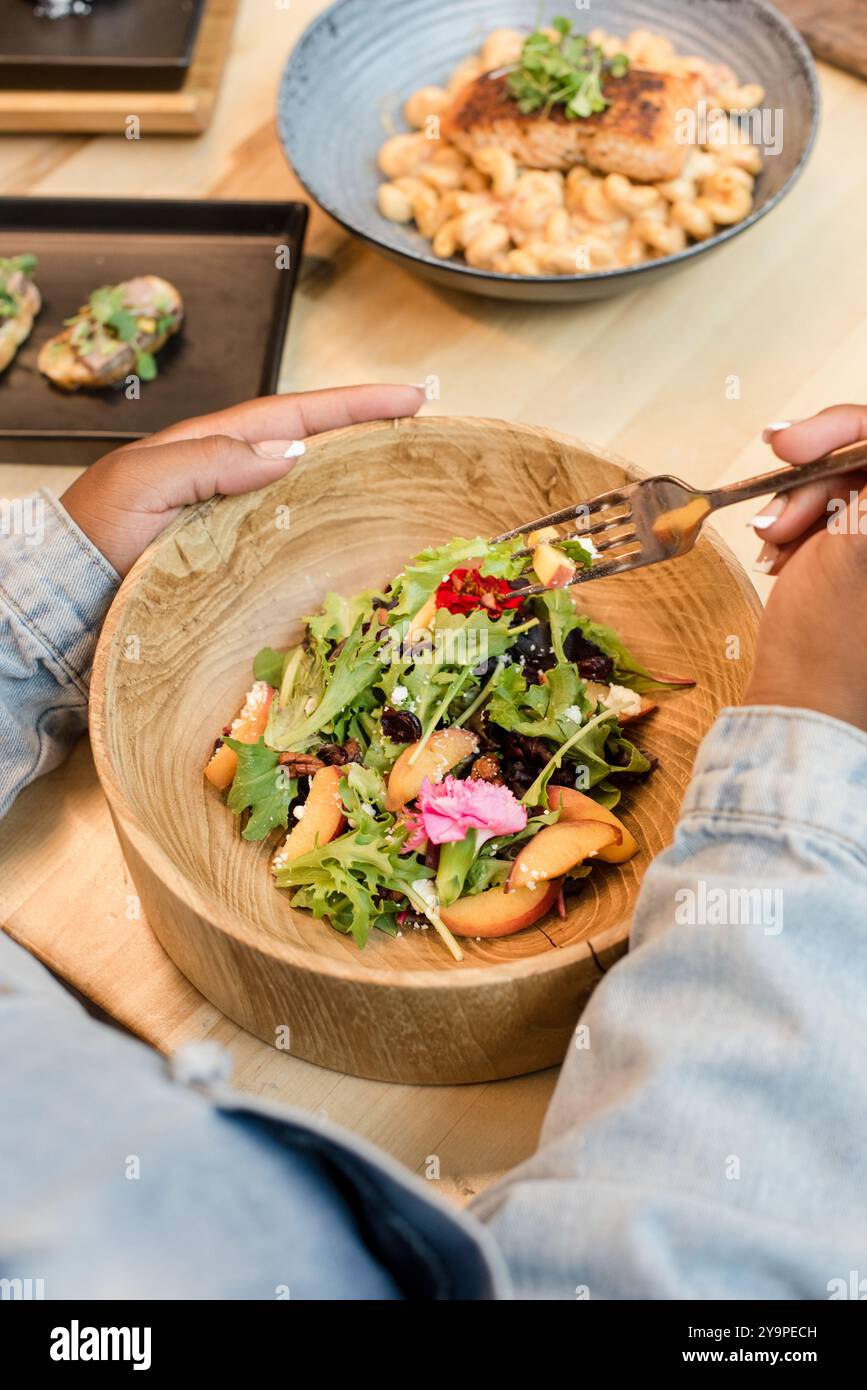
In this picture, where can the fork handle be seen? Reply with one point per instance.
(787, 479)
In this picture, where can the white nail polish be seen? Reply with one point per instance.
(774, 428)
(759, 523)
(763, 566)
(296, 449)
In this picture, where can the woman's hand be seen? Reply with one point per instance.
(126, 499)
(813, 639)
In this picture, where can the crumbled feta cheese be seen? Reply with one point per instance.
(621, 700)
(298, 812)
(424, 889)
(588, 545)
(573, 713)
(399, 694)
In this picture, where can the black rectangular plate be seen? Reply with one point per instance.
(129, 45)
(222, 257)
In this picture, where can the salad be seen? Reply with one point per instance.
(443, 753)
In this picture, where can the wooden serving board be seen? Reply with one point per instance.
(185, 112)
(836, 30)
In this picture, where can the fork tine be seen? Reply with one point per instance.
(607, 524)
(573, 513)
(616, 540)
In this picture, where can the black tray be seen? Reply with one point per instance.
(121, 45)
(223, 258)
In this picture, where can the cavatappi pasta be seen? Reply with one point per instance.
(518, 221)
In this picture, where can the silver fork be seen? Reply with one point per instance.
(660, 518)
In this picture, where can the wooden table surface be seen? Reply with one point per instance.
(680, 378)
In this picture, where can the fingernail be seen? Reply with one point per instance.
(773, 511)
(280, 448)
(767, 558)
(774, 428)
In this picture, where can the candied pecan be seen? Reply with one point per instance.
(300, 764)
(338, 754)
(400, 725)
(487, 769)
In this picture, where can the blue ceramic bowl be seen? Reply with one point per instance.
(351, 71)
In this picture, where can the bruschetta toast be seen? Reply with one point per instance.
(116, 333)
(20, 302)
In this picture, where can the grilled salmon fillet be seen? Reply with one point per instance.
(634, 136)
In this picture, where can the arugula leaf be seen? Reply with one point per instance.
(262, 787)
(540, 711)
(576, 551)
(586, 746)
(627, 671)
(268, 666)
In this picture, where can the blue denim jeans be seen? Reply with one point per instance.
(705, 1139)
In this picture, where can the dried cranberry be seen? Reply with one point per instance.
(596, 668)
(592, 662)
(400, 725)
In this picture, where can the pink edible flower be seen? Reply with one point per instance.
(447, 810)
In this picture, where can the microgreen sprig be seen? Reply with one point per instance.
(567, 71)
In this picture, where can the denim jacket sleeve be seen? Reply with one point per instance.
(707, 1133)
(55, 590)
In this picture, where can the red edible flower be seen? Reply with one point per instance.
(468, 589)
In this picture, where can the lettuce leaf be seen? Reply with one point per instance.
(260, 787)
(423, 575)
(344, 880)
(268, 666)
(355, 670)
(338, 618)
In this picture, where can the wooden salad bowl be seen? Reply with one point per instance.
(174, 662)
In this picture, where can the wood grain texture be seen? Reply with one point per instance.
(836, 30)
(229, 579)
(184, 112)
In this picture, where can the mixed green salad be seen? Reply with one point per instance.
(443, 752)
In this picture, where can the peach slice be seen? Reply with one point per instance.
(444, 750)
(498, 913)
(247, 728)
(322, 821)
(597, 690)
(575, 806)
(558, 848)
(547, 533)
(553, 569)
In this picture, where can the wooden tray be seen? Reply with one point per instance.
(184, 112)
(836, 30)
(226, 580)
(219, 254)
